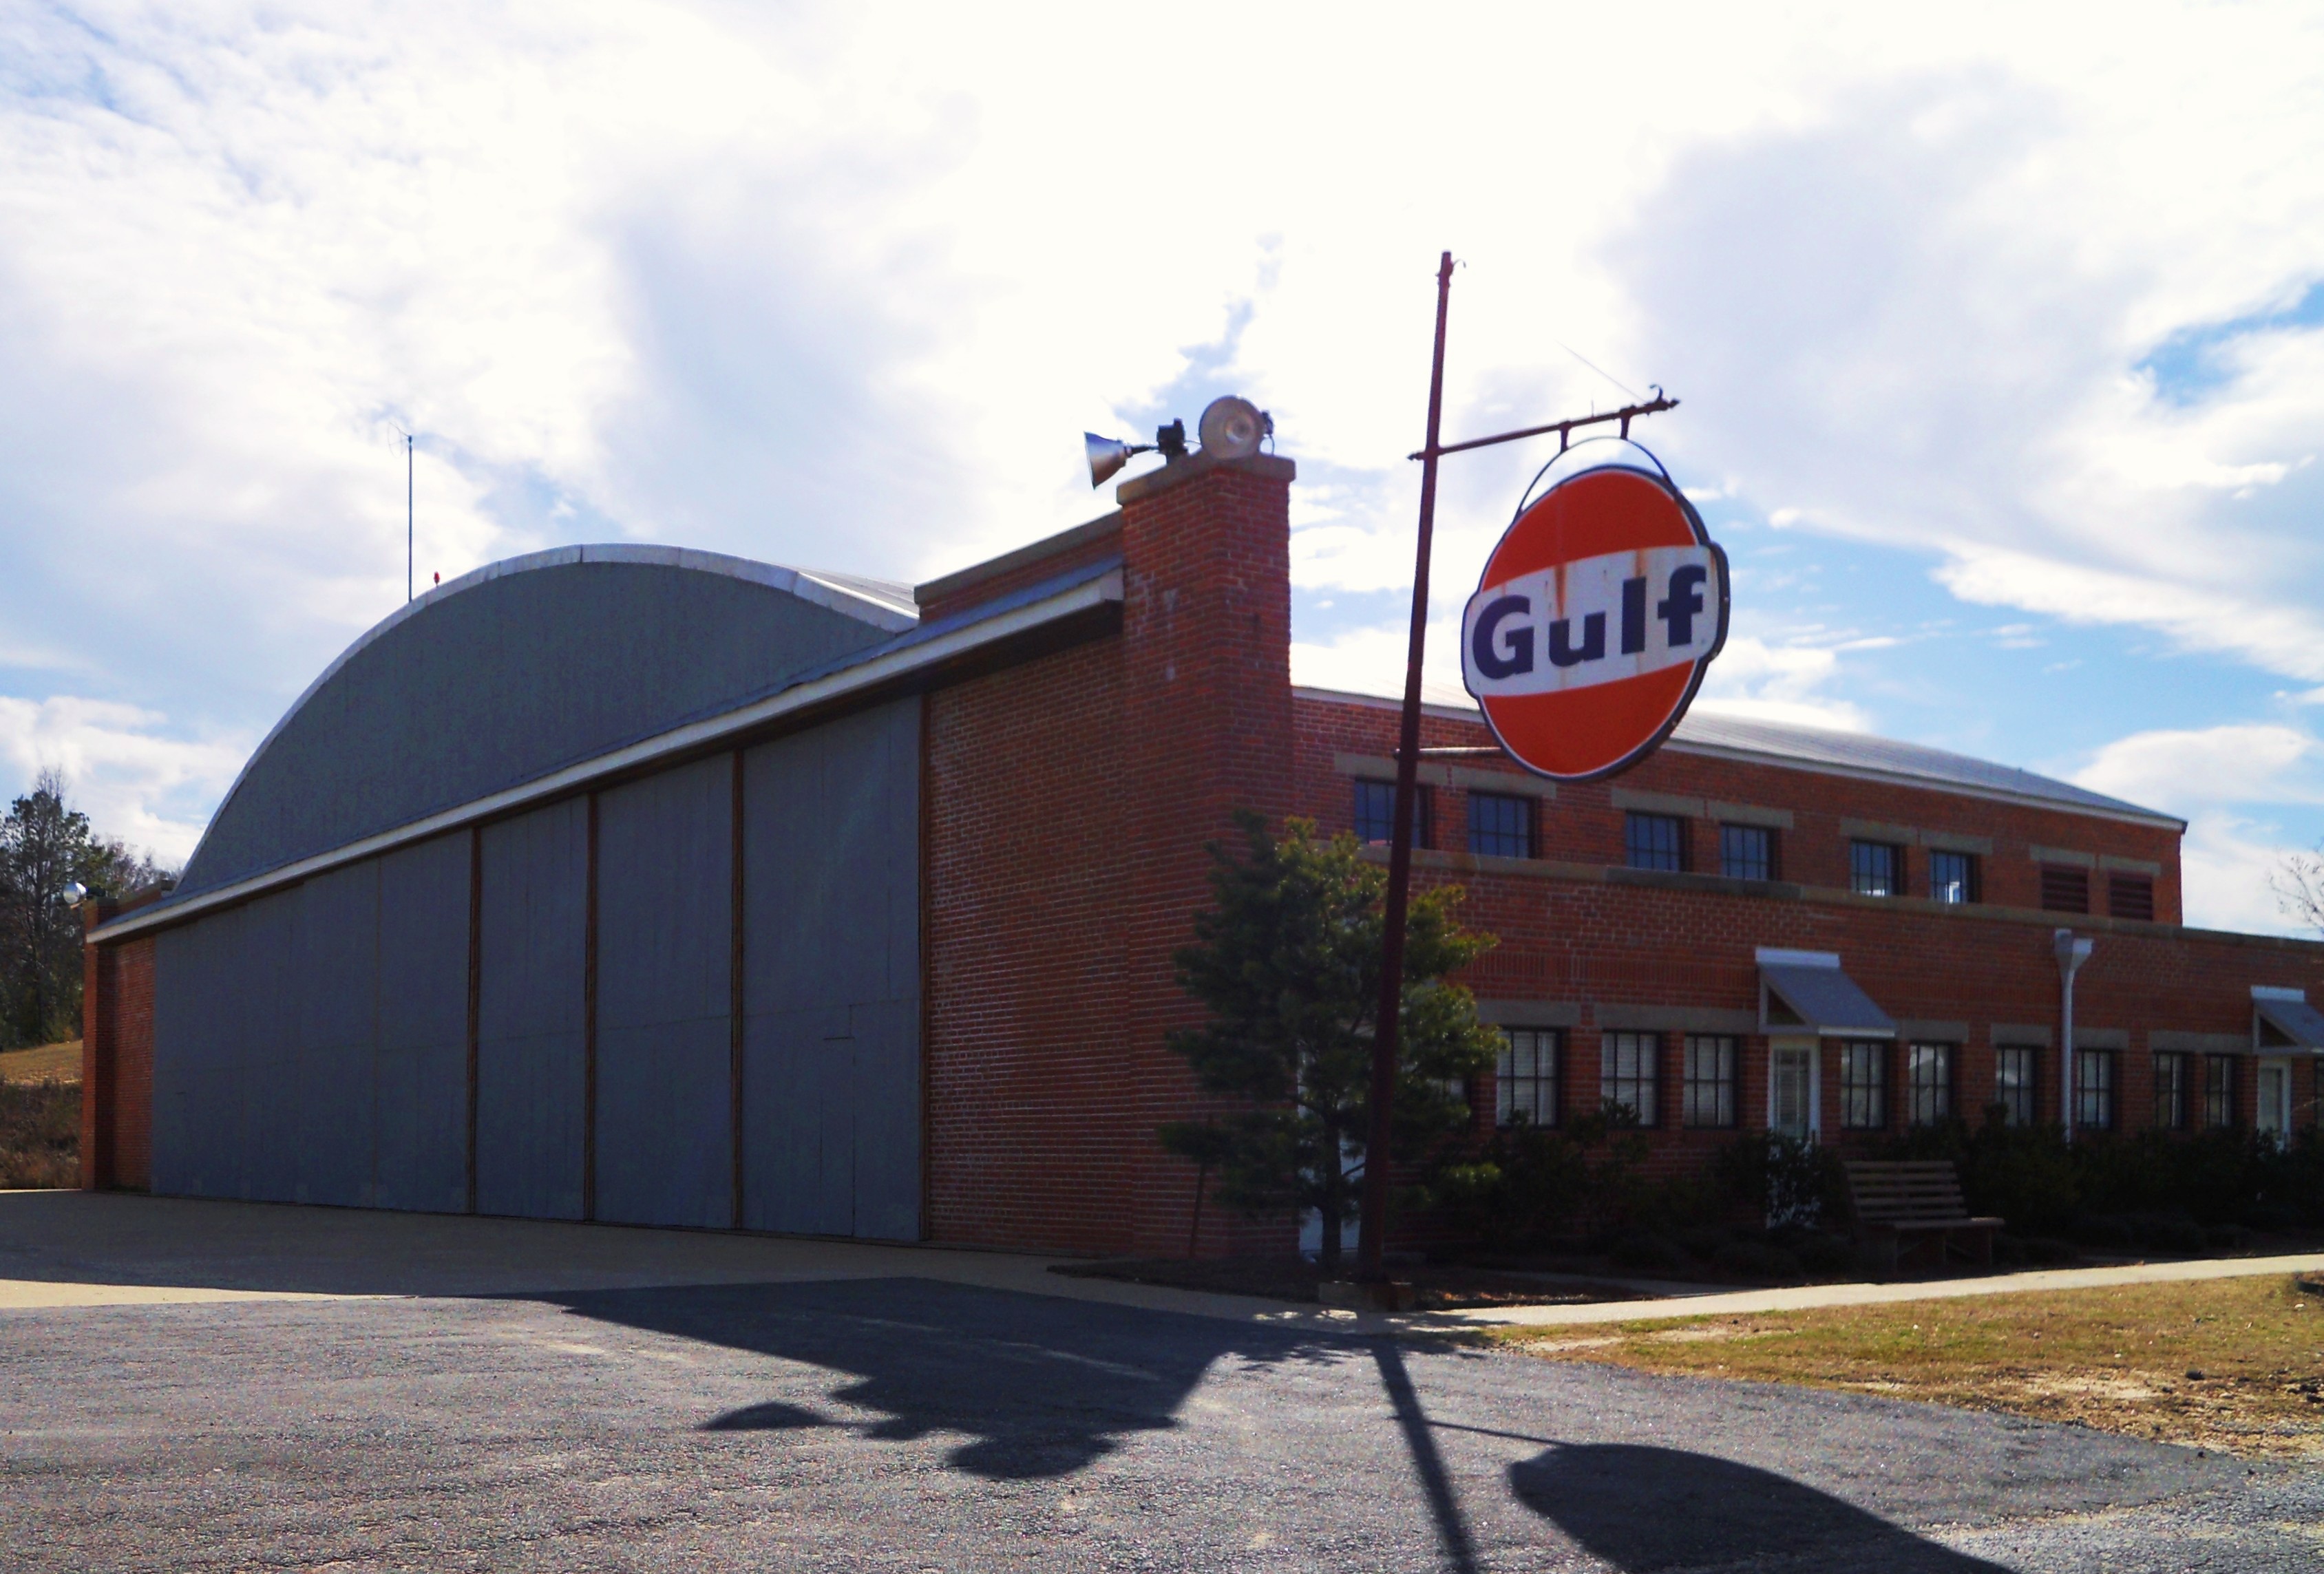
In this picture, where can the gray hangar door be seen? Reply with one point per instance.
(423, 1028)
(310, 1046)
(531, 1074)
(233, 1066)
(831, 1037)
(665, 998)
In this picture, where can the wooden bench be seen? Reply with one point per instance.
(1912, 1202)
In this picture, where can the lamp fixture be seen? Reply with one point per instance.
(1231, 428)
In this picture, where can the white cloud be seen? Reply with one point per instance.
(837, 286)
(132, 782)
(1779, 682)
(2225, 866)
(2182, 770)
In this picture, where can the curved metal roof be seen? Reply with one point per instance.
(1861, 753)
(517, 669)
(1844, 753)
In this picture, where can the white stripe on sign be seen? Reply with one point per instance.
(1590, 622)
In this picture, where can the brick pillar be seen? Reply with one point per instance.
(97, 1052)
(1206, 729)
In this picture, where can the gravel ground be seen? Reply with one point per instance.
(908, 1425)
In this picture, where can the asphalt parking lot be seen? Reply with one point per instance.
(907, 1424)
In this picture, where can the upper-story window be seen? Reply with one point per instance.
(1747, 852)
(1376, 812)
(1876, 869)
(1953, 877)
(2130, 895)
(2065, 888)
(1655, 841)
(1500, 825)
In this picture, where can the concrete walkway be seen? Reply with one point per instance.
(1798, 1297)
(74, 1248)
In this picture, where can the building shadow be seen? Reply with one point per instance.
(1041, 1387)
(1642, 1508)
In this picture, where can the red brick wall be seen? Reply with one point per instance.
(1024, 869)
(1574, 930)
(1206, 721)
(116, 1107)
(131, 963)
(1068, 802)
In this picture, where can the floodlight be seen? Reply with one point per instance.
(1233, 429)
(74, 894)
(1107, 456)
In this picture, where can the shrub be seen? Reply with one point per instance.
(1786, 1181)
(39, 1135)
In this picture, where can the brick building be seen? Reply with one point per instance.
(647, 886)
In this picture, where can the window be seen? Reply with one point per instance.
(2171, 1091)
(2064, 889)
(2094, 1088)
(2218, 1091)
(2130, 895)
(1863, 1085)
(1376, 812)
(1500, 826)
(1656, 842)
(1953, 877)
(1929, 1083)
(2017, 1084)
(1710, 1090)
(1526, 1078)
(1875, 869)
(1747, 852)
(1626, 1071)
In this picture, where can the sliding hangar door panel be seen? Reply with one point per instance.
(531, 1077)
(284, 1072)
(423, 1028)
(831, 1030)
(665, 998)
(331, 1126)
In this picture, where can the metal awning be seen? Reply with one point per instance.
(2295, 1023)
(1806, 992)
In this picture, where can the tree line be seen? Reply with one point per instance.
(47, 845)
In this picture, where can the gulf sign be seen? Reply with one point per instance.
(1595, 617)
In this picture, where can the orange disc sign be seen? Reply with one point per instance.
(1594, 619)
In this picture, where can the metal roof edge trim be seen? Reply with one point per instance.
(1050, 546)
(878, 668)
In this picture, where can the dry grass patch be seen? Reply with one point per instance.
(2231, 1364)
(49, 1063)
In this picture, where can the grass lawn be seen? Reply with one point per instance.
(2235, 1364)
(50, 1063)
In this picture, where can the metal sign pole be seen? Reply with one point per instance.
(1372, 1213)
(1372, 1220)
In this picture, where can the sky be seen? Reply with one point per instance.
(1999, 337)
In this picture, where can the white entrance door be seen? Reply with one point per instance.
(2276, 1100)
(1791, 1090)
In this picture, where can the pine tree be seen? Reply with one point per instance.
(1288, 964)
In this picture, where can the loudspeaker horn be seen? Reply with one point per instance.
(1107, 456)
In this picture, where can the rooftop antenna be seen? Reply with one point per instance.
(407, 517)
